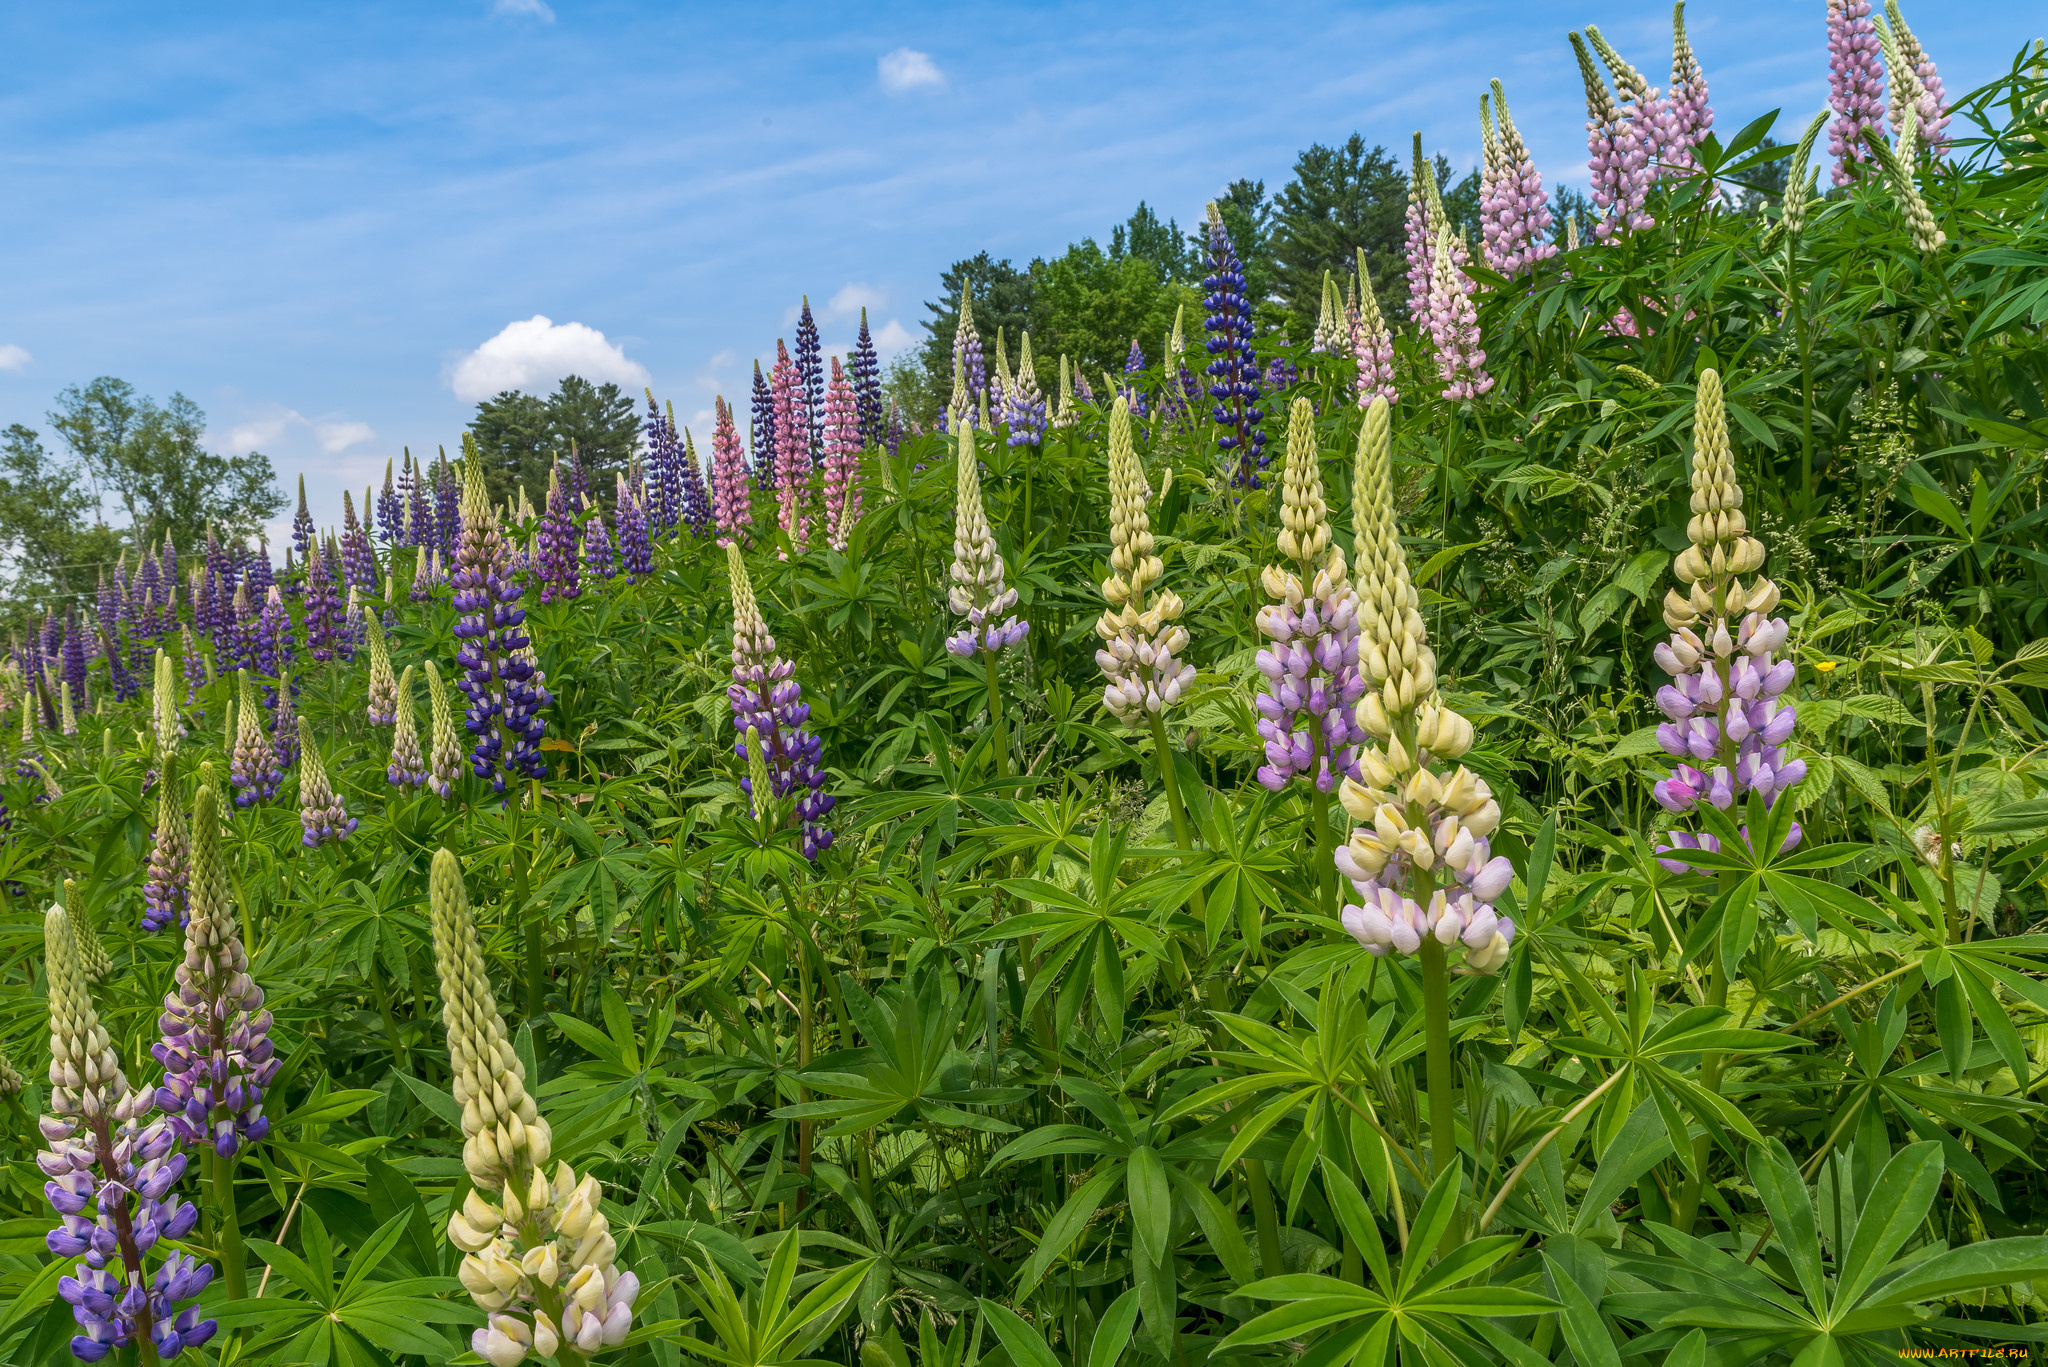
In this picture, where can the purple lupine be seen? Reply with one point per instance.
(810, 369)
(578, 489)
(1372, 345)
(74, 661)
(323, 606)
(1931, 107)
(101, 1154)
(303, 531)
(866, 369)
(1688, 116)
(968, 361)
(1855, 80)
(498, 676)
(1514, 213)
(216, 1051)
(664, 487)
(408, 500)
(559, 574)
(732, 495)
(257, 572)
(390, 515)
(892, 434)
(1619, 160)
(1281, 374)
(1234, 370)
(167, 878)
(767, 700)
(1024, 405)
(761, 432)
(254, 766)
(194, 669)
(1419, 230)
(977, 591)
(696, 503)
(358, 556)
(1134, 364)
(167, 562)
(323, 820)
(636, 549)
(274, 647)
(597, 546)
(447, 509)
(118, 677)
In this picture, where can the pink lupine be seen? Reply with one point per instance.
(732, 488)
(1688, 117)
(1619, 159)
(1514, 212)
(792, 452)
(1855, 78)
(842, 459)
(1454, 322)
(1931, 106)
(1421, 232)
(1372, 344)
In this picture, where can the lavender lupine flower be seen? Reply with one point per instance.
(842, 460)
(792, 453)
(216, 1051)
(866, 369)
(358, 556)
(390, 514)
(302, 529)
(447, 509)
(968, 364)
(254, 768)
(810, 369)
(696, 505)
(1930, 104)
(731, 495)
(165, 887)
(1311, 661)
(75, 659)
(274, 648)
(321, 814)
(1419, 859)
(419, 502)
(893, 433)
(444, 759)
(597, 547)
(122, 682)
(560, 575)
(101, 1154)
(197, 675)
(1024, 408)
(1688, 116)
(1454, 322)
(1372, 344)
(999, 388)
(1134, 364)
(1619, 161)
(662, 450)
(1234, 371)
(424, 577)
(504, 697)
(1514, 213)
(1855, 78)
(1419, 231)
(636, 551)
(1282, 374)
(761, 432)
(768, 702)
(408, 767)
(1144, 646)
(1723, 703)
(323, 618)
(977, 591)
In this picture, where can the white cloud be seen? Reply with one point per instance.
(906, 69)
(14, 358)
(892, 338)
(534, 9)
(336, 437)
(535, 353)
(282, 427)
(852, 298)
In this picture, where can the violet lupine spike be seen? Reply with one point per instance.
(322, 817)
(390, 515)
(761, 433)
(977, 591)
(560, 575)
(661, 459)
(504, 697)
(358, 556)
(597, 547)
(968, 360)
(1024, 407)
(636, 548)
(323, 606)
(302, 527)
(792, 453)
(810, 370)
(1727, 723)
(257, 572)
(194, 666)
(866, 369)
(696, 504)
(1688, 115)
(766, 698)
(1313, 682)
(1454, 322)
(103, 1157)
(254, 767)
(274, 645)
(1931, 105)
(74, 659)
(1419, 231)
(118, 677)
(447, 509)
(216, 1051)
(1372, 344)
(1234, 369)
(1514, 211)
(165, 888)
(732, 494)
(842, 459)
(1855, 80)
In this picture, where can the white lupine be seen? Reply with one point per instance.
(1142, 639)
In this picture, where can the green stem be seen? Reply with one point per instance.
(1685, 1209)
(233, 1260)
(1436, 1016)
(1265, 1215)
(1169, 777)
(995, 715)
(536, 952)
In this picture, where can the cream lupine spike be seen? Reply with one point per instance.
(1176, 343)
(1063, 416)
(67, 716)
(1328, 336)
(92, 955)
(383, 686)
(164, 708)
(1722, 549)
(1142, 638)
(1003, 378)
(539, 1260)
(10, 1078)
(85, 1073)
(1898, 158)
(408, 766)
(445, 760)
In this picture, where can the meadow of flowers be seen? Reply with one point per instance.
(1508, 830)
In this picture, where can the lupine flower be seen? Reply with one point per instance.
(636, 550)
(383, 688)
(1081, 389)
(842, 460)
(1898, 171)
(164, 888)
(1855, 78)
(1722, 705)
(1900, 159)
(792, 453)
(1024, 406)
(216, 1051)
(165, 728)
(358, 556)
(273, 646)
(768, 713)
(661, 459)
(11, 1083)
(74, 660)
(810, 370)
(1281, 374)
(1235, 367)
(696, 506)
(445, 760)
(967, 359)
(196, 673)
(1930, 103)
(1063, 416)
(447, 509)
(390, 516)
(977, 591)
(560, 575)
(1620, 162)
(122, 681)
(426, 574)
(731, 495)
(284, 725)
(1311, 662)
(999, 388)
(1688, 116)
(1328, 337)
(539, 1260)
(1454, 322)
(67, 716)
(408, 767)
(1419, 859)
(92, 955)
(303, 533)
(761, 432)
(1372, 344)
(1419, 231)
(597, 547)
(324, 620)
(504, 698)
(321, 813)
(1514, 214)
(1143, 643)
(254, 768)
(866, 370)
(101, 1154)
(1800, 185)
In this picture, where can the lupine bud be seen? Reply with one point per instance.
(1143, 642)
(321, 812)
(768, 713)
(408, 767)
(164, 891)
(978, 592)
(445, 766)
(255, 767)
(383, 706)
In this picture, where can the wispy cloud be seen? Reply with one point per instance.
(892, 337)
(524, 9)
(852, 298)
(14, 359)
(535, 353)
(277, 427)
(907, 69)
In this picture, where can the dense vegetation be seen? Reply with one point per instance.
(948, 1015)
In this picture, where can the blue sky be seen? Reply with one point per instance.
(314, 219)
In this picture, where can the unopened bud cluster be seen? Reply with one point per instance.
(977, 592)
(1143, 642)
